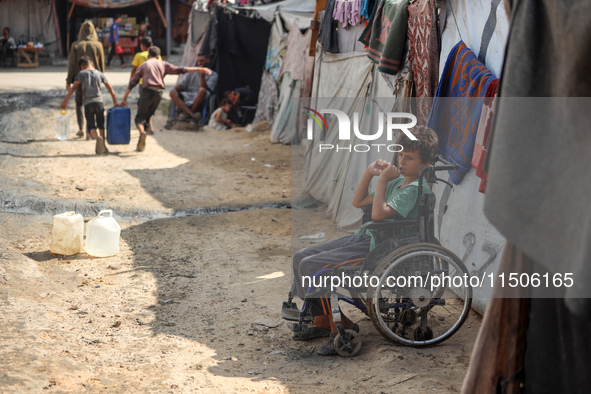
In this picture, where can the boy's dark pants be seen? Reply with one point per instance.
(146, 107)
(79, 113)
(346, 251)
(95, 116)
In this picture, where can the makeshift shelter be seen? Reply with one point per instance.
(32, 21)
(236, 45)
(160, 20)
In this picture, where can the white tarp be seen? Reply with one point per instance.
(336, 76)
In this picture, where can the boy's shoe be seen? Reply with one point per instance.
(328, 349)
(149, 132)
(100, 146)
(307, 331)
(141, 144)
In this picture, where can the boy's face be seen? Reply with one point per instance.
(409, 163)
(226, 107)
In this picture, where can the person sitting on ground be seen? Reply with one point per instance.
(7, 44)
(240, 97)
(139, 59)
(192, 92)
(90, 80)
(396, 194)
(153, 72)
(219, 119)
(88, 45)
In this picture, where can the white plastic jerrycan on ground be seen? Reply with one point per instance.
(102, 235)
(67, 233)
(63, 126)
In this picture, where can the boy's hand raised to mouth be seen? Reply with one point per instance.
(390, 172)
(377, 167)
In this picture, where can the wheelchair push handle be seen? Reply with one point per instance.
(447, 166)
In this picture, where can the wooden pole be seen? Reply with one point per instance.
(57, 27)
(161, 13)
(71, 10)
(315, 26)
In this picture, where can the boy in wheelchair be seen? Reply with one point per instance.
(396, 195)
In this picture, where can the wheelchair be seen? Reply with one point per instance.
(417, 295)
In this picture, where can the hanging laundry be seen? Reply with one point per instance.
(327, 36)
(455, 120)
(348, 12)
(423, 54)
(367, 8)
(276, 47)
(268, 99)
(296, 54)
(385, 35)
(484, 132)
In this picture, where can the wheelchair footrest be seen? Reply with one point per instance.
(290, 311)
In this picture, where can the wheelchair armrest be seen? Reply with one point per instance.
(390, 224)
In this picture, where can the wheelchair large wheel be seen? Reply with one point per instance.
(418, 296)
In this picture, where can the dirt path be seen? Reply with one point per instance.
(175, 310)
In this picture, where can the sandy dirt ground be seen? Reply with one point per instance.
(192, 302)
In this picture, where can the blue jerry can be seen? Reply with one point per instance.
(118, 125)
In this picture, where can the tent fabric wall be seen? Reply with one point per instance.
(336, 76)
(460, 222)
(284, 128)
(32, 19)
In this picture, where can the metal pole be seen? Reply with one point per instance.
(168, 28)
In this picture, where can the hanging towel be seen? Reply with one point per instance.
(456, 120)
(385, 35)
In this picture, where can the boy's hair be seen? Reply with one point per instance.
(153, 51)
(7, 29)
(426, 143)
(146, 41)
(225, 101)
(117, 16)
(83, 61)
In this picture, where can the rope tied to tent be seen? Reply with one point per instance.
(455, 20)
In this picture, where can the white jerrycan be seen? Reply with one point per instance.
(63, 126)
(67, 233)
(102, 235)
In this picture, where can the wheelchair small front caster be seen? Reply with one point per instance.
(348, 347)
